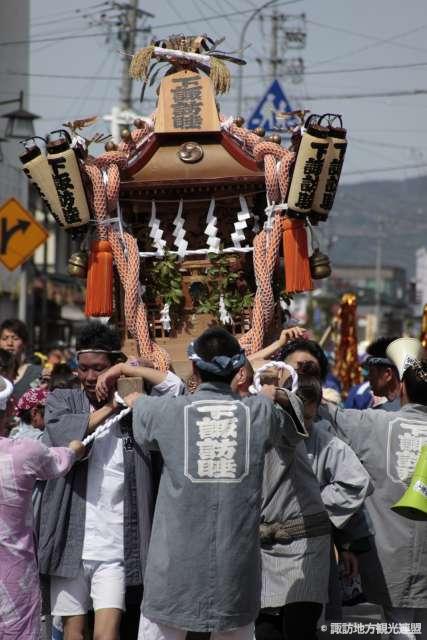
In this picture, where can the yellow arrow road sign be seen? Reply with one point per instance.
(20, 234)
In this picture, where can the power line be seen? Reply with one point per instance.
(370, 68)
(335, 96)
(63, 20)
(322, 72)
(352, 96)
(402, 167)
(249, 76)
(157, 26)
(53, 39)
(390, 40)
(369, 37)
(67, 11)
(391, 145)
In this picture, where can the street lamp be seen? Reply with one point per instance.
(241, 47)
(20, 121)
(19, 126)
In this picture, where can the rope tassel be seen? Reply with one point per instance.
(295, 250)
(99, 285)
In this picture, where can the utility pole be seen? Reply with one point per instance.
(378, 275)
(274, 60)
(127, 37)
(121, 20)
(287, 33)
(241, 53)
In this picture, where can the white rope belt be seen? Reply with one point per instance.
(108, 423)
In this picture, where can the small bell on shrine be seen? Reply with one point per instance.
(320, 265)
(77, 264)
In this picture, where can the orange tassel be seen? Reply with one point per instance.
(99, 283)
(295, 250)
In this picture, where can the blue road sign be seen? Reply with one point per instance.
(273, 100)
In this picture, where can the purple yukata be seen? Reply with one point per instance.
(22, 463)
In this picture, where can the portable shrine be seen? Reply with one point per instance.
(192, 219)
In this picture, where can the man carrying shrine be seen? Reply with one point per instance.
(203, 564)
(95, 522)
(383, 376)
(394, 570)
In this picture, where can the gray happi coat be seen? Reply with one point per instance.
(203, 565)
(296, 570)
(63, 507)
(394, 571)
(344, 482)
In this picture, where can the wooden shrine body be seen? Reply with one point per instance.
(190, 156)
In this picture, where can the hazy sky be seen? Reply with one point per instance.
(343, 37)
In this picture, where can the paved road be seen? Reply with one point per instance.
(360, 614)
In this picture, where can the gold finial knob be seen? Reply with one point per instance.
(110, 146)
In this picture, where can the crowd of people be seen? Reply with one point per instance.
(245, 505)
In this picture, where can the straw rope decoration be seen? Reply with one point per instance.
(220, 75)
(104, 199)
(140, 63)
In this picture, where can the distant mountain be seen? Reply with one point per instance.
(395, 209)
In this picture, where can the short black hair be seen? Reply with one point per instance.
(215, 341)
(309, 388)
(62, 377)
(378, 348)
(97, 335)
(17, 326)
(25, 416)
(7, 364)
(415, 379)
(311, 347)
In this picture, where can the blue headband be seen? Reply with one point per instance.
(222, 366)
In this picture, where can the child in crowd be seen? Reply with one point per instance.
(22, 463)
(30, 411)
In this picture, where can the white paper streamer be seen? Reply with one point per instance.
(155, 232)
(224, 316)
(179, 232)
(312, 239)
(256, 226)
(211, 230)
(269, 210)
(78, 141)
(226, 124)
(197, 252)
(242, 217)
(5, 393)
(165, 318)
